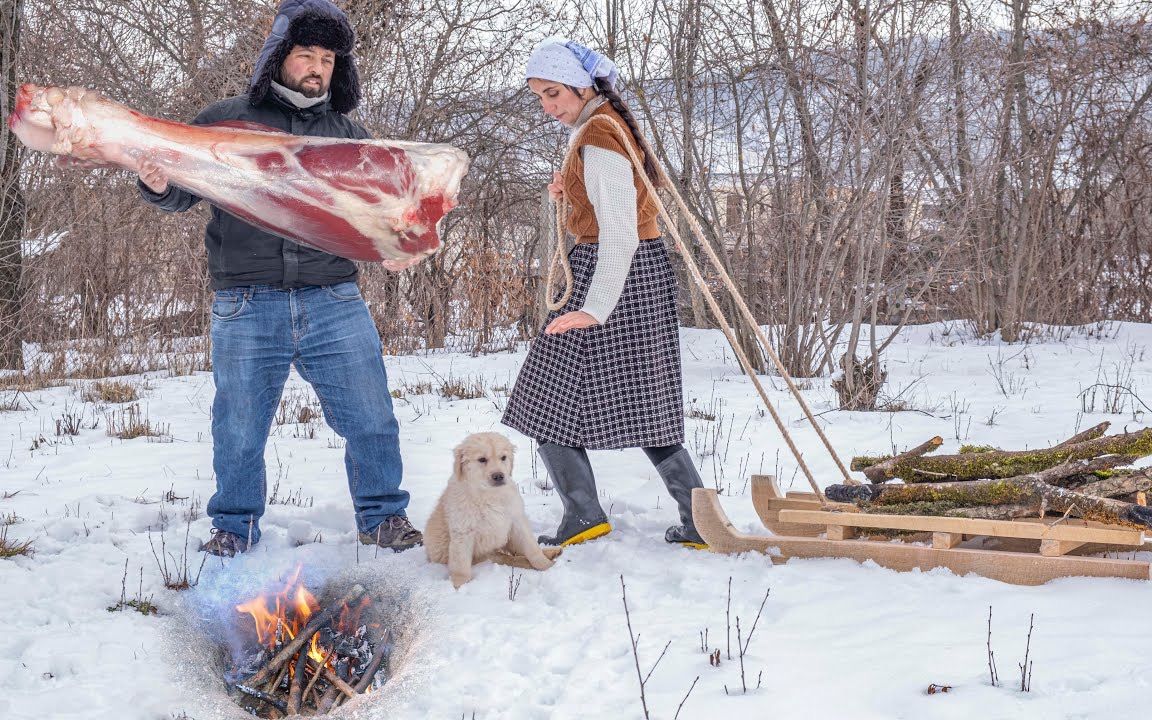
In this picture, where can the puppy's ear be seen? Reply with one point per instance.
(458, 463)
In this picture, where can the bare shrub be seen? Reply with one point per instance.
(130, 423)
(454, 388)
(902, 163)
(110, 391)
(12, 548)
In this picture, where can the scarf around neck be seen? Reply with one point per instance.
(298, 99)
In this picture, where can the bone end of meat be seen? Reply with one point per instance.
(59, 120)
(31, 119)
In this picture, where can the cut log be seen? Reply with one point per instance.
(863, 462)
(1007, 463)
(1023, 490)
(1120, 484)
(879, 471)
(1090, 434)
(1075, 482)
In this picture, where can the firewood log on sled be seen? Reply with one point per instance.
(974, 463)
(1023, 517)
(1080, 477)
(1021, 552)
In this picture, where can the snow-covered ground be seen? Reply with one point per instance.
(836, 638)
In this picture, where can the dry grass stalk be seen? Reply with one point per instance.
(131, 423)
(110, 391)
(13, 548)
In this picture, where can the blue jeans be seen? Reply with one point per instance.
(258, 333)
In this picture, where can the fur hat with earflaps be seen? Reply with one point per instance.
(309, 23)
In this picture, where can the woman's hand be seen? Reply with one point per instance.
(400, 265)
(570, 321)
(556, 187)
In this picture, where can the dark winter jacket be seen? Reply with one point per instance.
(238, 253)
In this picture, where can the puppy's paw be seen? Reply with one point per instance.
(459, 579)
(547, 558)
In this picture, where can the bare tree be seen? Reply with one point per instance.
(857, 166)
(11, 196)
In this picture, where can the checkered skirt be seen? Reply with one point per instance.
(615, 385)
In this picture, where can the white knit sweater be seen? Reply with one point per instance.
(612, 192)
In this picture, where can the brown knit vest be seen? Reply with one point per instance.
(582, 216)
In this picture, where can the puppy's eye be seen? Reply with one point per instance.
(503, 458)
(482, 461)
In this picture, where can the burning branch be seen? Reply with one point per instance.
(310, 660)
(315, 623)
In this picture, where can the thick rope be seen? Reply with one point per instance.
(698, 278)
(559, 258)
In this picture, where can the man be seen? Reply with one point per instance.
(279, 304)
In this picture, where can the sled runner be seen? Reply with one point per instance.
(1021, 552)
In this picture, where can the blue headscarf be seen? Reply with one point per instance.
(566, 61)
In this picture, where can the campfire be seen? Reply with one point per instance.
(304, 659)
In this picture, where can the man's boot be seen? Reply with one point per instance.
(680, 477)
(395, 533)
(226, 544)
(572, 477)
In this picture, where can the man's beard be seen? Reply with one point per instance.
(309, 91)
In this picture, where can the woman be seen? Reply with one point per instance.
(605, 372)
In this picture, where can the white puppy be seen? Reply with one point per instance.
(481, 516)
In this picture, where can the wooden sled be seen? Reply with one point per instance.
(1022, 552)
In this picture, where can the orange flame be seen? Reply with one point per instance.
(291, 607)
